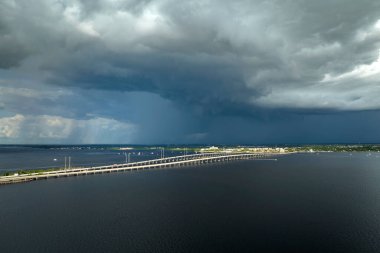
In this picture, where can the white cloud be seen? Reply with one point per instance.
(31, 93)
(322, 97)
(10, 126)
(56, 129)
(359, 72)
(320, 50)
(72, 16)
(377, 25)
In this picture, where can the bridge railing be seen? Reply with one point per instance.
(148, 163)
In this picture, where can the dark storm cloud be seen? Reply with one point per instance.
(259, 62)
(11, 54)
(206, 52)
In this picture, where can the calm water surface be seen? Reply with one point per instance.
(14, 158)
(301, 203)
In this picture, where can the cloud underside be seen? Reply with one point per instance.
(262, 61)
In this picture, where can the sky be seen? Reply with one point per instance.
(185, 72)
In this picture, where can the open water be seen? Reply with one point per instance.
(324, 202)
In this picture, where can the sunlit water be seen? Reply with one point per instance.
(301, 203)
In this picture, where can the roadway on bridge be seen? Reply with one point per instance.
(175, 161)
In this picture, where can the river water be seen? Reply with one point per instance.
(326, 202)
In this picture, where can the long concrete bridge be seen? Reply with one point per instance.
(176, 161)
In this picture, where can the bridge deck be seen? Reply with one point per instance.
(176, 161)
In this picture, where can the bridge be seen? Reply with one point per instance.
(175, 161)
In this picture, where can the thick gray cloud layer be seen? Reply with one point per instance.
(265, 65)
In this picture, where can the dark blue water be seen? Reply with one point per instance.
(301, 203)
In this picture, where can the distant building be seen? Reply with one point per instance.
(212, 148)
